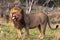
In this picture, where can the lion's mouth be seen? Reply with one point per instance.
(14, 18)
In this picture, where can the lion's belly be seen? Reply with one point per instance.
(34, 21)
(34, 24)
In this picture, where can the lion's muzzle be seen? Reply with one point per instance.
(14, 17)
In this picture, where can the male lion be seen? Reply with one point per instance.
(29, 21)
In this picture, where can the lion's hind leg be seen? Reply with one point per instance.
(42, 29)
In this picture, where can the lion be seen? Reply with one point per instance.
(29, 21)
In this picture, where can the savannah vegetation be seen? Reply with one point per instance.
(9, 32)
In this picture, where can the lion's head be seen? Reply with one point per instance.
(15, 14)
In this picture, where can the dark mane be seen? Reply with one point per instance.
(22, 12)
(22, 20)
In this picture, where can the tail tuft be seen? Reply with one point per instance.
(57, 26)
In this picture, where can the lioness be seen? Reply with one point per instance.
(29, 21)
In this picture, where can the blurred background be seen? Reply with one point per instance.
(50, 6)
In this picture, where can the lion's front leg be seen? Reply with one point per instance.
(19, 34)
(27, 31)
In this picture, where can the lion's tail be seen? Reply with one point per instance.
(50, 26)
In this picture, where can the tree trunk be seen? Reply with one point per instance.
(29, 6)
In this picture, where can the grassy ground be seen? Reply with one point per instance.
(8, 32)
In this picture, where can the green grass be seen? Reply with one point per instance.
(10, 33)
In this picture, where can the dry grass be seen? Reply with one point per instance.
(57, 36)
